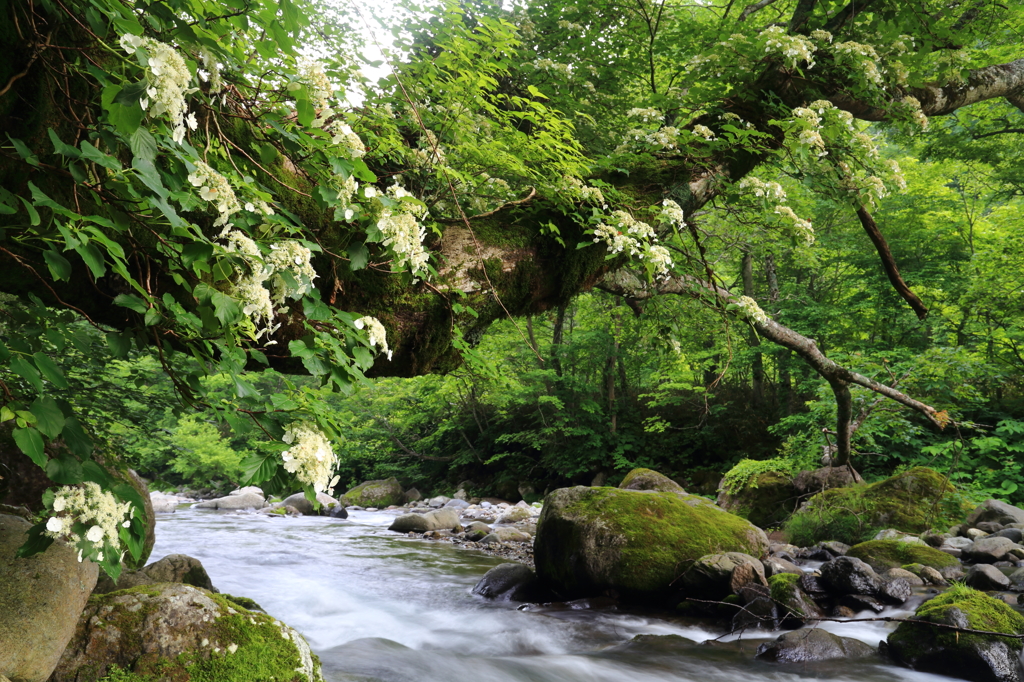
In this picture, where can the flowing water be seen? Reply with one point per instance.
(381, 607)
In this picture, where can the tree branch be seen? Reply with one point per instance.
(756, 7)
(889, 264)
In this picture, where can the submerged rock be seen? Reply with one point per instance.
(41, 598)
(590, 540)
(180, 632)
(379, 494)
(511, 582)
(806, 646)
(980, 658)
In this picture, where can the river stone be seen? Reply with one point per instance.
(246, 500)
(994, 510)
(913, 579)
(812, 644)
(412, 495)
(848, 575)
(513, 515)
(648, 479)
(899, 536)
(976, 533)
(714, 576)
(861, 602)
(775, 565)
(980, 658)
(637, 543)
(438, 502)
(162, 503)
(986, 577)
(504, 534)
(477, 530)
(160, 630)
(173, 568)
(509, 582)
(957, 542)
(380, 494)
(439, 519)
(456, 503)
(989, 550)
(1014, 534)
(41, 598)
(795, 606)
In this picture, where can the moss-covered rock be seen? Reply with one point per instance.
(984, 658)
(882, 555)
(911, 501)
(378, 494)
(795, 606)
(171, 631)
(765, 499)
(590, 540)
(648, 479)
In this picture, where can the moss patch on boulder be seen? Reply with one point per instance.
(960, 654)
(591, 540)
(882, 555)
(765, 499)
(911, 501)
(378, 494)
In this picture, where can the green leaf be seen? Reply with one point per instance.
(31, 443)
(363, 357)
(93, 257)
(38, 541)
(60, 267)
(91, 471)
(27, 371)
(33, 215)
(305, 111)
(49, 418)
(131, 94)
(268, 154)
(132, 302)
(225, 308)
(143, 144)
(75, 438)
(358, 255)
(119, 345)
(96, 156)
(50, 370)
(23, 151)
(64, 470)
(61, 148)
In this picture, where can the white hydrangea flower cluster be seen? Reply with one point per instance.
(914, 106)
(310, 456)
(761, 189)
(402, 230)
(646, 115)
(749, 309)
(212, 72)
(704, 132)
(292, 256)
(666, 138)
(430, 153)
(671, 212)
(169, 79)
(551, 65)
(342, 134)
(633, 237)
(318, 85)
(577, 189)
(215, 188)
(807, 128)
(794, 48)
(347, 190)
(90, 505)
(861, 56)
(822, 35)
(375, 333)
(801, 227)
(569, 25)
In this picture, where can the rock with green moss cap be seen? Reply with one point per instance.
(795, 607)
(171, 631)
(648, 479)
(765, 499)
(592, 540)
(912, 501)
(882, 555)
(947, 651)
(379, 494)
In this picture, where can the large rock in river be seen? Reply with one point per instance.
(439, 519)
(591, 540)
(648, 479)
(981, 658)
(235, 501)
(173, 568)
(41, 598)
(378, 494)
(180, 632)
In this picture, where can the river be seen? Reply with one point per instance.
(381, 607)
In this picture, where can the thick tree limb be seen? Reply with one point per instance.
(1000, 80)
(889, 264)
(750, 9)
(625, 283)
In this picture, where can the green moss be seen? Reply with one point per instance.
(657, 535)
(374, 494)
(882, 555)
(782, 585)
(912, 501)
(982, 611)
(244, 602)
(118, 674)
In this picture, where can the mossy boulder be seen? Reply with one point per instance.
(795, 606)
(378, 494)
(912, 501)
(171, 631)
(946, 651)
(882, 555)
(648, 479)
(765, 499)
(173, 568)
(636, 543)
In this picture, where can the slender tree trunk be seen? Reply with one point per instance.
(757, 365)
(556, 341)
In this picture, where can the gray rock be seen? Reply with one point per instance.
(305, 507)
(163, 504)
(337, 512)
(380, 493)
(249, 489)
(990, 527)
(893, 573)
(835, 547)
(989, 550)
(456, 504)
(712, 575)
(808, 645)
(173, 568)
(412, 495)
(510, 582)
(246, 500)
(439, 519)
(1014, 534)
(514, 514)
(135, 629)
(987, 577)
(41, 598)
(994, 510)
(504, 534)
(957, 542)
(847, 575)
(895, 591)
(775, 565)
(899, 536)
(438, 502)
(477, 530)
(648, 479)
(975, 533)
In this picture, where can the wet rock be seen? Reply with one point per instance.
(861, 602)
(305, 507)
(759, 609)
(895, 591)
(775, 565)
(716, 575)
(476, 531)
(1014, 534)
(179, 632)
(986, 577)
(456, 503)
(513, 515)
(163, 503)
(882, 555)
(912, 579)
(511, 582)
(504, 534)
(835, 547)
(438, 502)
(439, 519)
(647, 479)
(380, 493)
(765, 499)
(848, 575)
(636, 542)
(41, 598)
(988, 550)
(242, 500)
(805, 646)
(795, 606)
(412, 495)
(173, 568)
(338, 512)
(813, 585)
(980, 658)
(994, 510)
